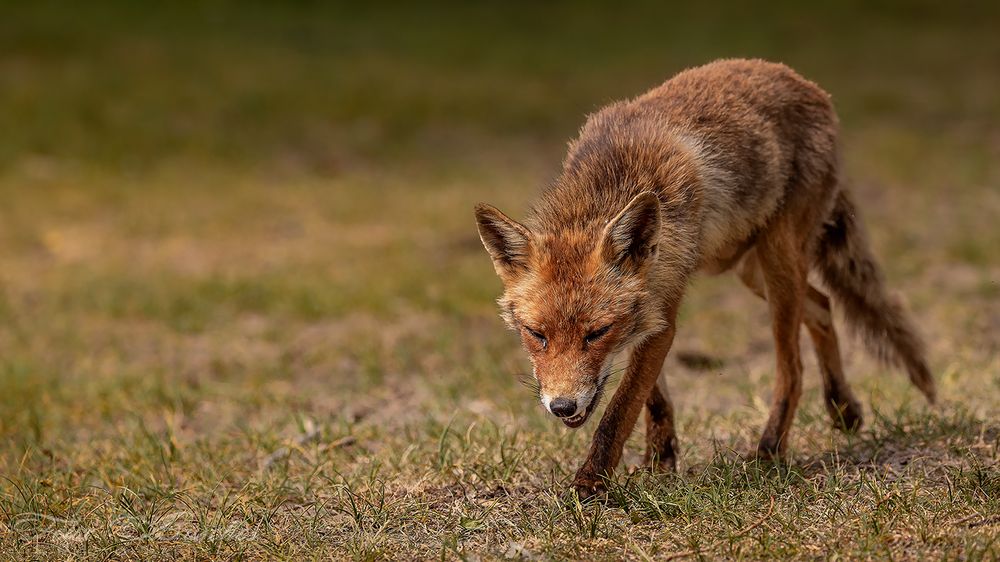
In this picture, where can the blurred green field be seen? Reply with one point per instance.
(244, 311)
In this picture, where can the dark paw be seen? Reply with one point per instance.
(846, 416)
(769, 449)
(658, 464)
(588, 486)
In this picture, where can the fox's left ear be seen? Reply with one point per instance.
(507, 241)
(631, 238)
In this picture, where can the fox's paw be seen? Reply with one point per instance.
(658, 465)
(661, 459)
(846, 416)
(588, 486)
(769, 449)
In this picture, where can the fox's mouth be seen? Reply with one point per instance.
(576, 421)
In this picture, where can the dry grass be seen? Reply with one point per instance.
(244, 312)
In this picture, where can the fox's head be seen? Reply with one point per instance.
(576, 296)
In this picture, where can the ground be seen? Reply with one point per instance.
(244, 312)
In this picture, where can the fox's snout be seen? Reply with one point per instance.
(572, 408)
(562, 407)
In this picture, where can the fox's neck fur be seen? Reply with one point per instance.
(620, 153)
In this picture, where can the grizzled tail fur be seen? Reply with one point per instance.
(847, 266)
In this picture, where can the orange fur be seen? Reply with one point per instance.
(732, 162)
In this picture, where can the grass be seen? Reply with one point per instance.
(244, 312)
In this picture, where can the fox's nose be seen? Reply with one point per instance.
(563, 407)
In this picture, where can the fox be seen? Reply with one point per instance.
(729, 166)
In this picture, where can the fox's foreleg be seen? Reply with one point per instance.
(624, 408)
(661, 438)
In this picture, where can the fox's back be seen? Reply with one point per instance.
(754, 131)
(756, 120)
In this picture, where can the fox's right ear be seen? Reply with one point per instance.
(507, 241)
(630, 239)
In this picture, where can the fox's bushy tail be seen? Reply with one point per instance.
(845, 261)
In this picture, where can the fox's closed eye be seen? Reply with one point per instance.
(538, 336)
(596, 334)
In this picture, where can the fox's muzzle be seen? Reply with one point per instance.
(572, 409)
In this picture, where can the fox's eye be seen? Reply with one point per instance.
(596, 334)
(538, 336)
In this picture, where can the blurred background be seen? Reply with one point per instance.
(225, 224)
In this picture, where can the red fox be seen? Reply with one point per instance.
(731, 165)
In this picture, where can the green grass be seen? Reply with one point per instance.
(244, 312)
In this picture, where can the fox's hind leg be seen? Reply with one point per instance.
(785, 271)
(661, 439)
(843, 407)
